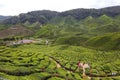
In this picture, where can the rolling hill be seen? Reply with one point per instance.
(88, 36)
(73, 27)
(109, 41)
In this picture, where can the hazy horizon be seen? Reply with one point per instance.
(15, 7)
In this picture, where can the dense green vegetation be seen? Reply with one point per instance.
(29, 62)
(109, 41)
(89, 35)
(98, 33)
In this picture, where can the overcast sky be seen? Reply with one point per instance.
(15, 7)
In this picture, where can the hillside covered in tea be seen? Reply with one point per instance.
(57, 41)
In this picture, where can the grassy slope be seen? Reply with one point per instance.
(109, 41)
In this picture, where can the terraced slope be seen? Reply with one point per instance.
(41, 62)
(109, 41)
(16, 30)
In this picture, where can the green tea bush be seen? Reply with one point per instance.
(71, 40)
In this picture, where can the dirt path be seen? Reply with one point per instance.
(58, 65)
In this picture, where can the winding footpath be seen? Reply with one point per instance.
(58, 65)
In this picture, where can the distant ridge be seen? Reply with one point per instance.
(45, 16)
(4, 17)
(42, 16)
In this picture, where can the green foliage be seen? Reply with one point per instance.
(104, 19)
(71, 40)
(2, 27)
(49, 31)
(106, 42)
(33, 26)
(111, 27)
(2, 43)
(55, 78)
(68, 32)
(29, 62)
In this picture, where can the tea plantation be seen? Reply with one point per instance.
(57, 62)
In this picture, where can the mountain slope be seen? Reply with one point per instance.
(34, 16)
(109, 41)
(45, 16)
(16, 30)
(4, 17)
(83, 13)
(86, 27)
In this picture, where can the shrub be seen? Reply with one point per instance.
(71, 40)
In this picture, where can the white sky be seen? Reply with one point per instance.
(15, 7)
